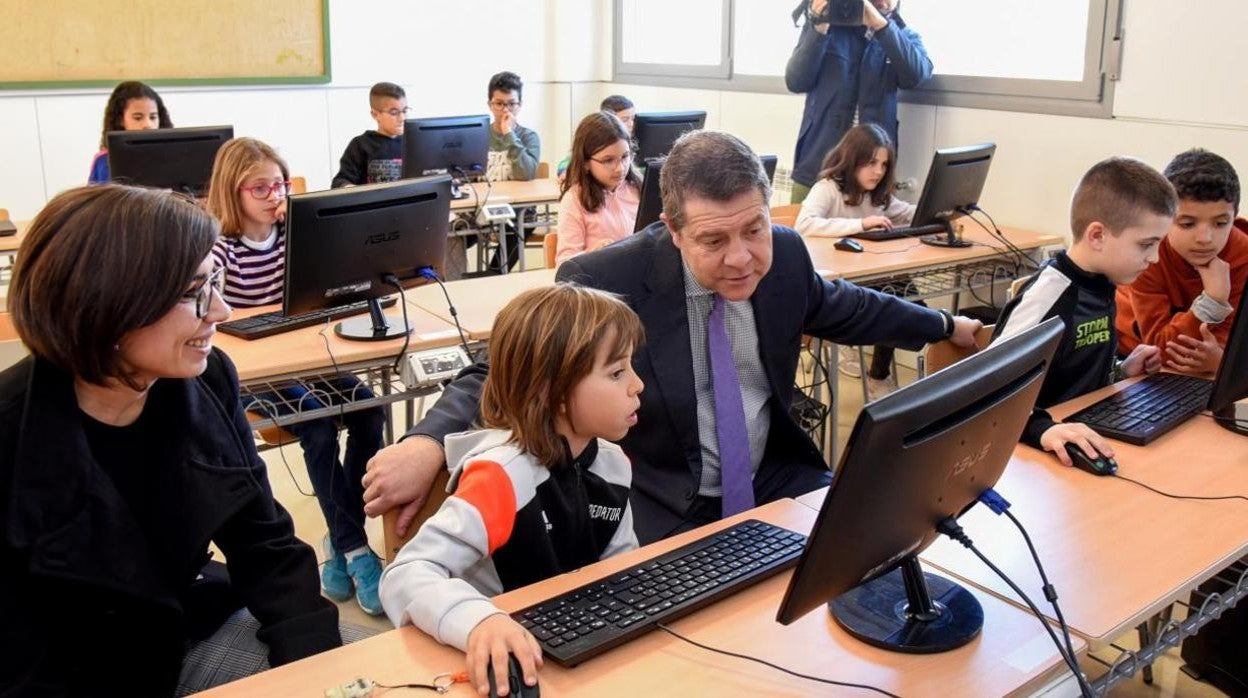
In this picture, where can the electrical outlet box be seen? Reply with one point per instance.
(432, 366)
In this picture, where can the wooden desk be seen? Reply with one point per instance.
(303, 350)
(533, 192)
(909, 255)
(478, 300)
(1116, 552)
(1012, 656)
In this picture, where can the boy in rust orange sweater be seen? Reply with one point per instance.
(1183, 303)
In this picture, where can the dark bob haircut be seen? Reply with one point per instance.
(99, 262)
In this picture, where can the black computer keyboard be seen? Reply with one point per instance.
(266, 324)
(899, 232)
(1147, 409)
(607, 612)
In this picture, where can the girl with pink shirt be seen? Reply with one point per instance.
(599, 197)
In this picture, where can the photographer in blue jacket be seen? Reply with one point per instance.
(846, 70)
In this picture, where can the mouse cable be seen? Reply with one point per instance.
(432, 275)
(764, 662)
(998, 504)
(949, 526)
(1181, 496)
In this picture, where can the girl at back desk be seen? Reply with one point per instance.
(133, 106)
(250, 182)
(599, 197)
(855, 193)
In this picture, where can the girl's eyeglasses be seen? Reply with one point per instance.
(264, 189)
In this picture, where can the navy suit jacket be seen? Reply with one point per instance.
(791, 300)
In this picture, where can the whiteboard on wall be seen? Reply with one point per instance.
(72, 43)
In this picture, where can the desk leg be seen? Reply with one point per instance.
(502, 247)
(385, 390)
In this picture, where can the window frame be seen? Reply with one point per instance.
(640, 72)
(1091, 96)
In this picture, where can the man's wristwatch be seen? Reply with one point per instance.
(949, 324)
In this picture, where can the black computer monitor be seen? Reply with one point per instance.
(458, 145)
(1231, 383)
(343, 244)
(954, 183)
(651, 200)
(655, 132)
(915, 457)
(169, 158)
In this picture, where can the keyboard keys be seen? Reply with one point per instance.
(1147, 409)
(600, 615)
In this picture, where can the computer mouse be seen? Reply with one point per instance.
(1102, 465)
(848, 244)
(515, 681)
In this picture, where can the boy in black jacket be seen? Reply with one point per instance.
(1119, 214)
(376, 156)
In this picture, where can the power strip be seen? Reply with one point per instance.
(428, 367)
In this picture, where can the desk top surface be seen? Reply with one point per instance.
(1012, 655)
(1116, 552)
(318, 347)
(536, 191)
(478, 300)
(908, 254)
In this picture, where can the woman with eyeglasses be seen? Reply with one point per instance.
(600, 195)
(247, 193)
(123, 454)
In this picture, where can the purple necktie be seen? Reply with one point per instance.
(734, 441)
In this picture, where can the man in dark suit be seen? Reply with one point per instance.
(725, 299)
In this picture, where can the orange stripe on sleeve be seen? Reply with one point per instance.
(485, 485)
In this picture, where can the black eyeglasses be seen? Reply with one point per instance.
(203, 295)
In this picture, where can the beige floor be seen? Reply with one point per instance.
(310, 526)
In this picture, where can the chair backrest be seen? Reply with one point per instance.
(4, 214)
(945, 353)
(550, 244)
(785, 215)
(12, 349)
(543, 170)
(298, 185)
(437, 494)
(1017, 285)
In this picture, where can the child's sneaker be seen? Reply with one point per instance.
(335, 581)
(847, 362)
(365, 571)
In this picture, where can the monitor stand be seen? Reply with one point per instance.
(1233, 417)
(459, 189)
(948, 239)
(373, 327)
(908, 610)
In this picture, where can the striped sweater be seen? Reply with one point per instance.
(510, 522)
(254, 272)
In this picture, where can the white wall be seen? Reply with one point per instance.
(1178, 90)
(442, 51)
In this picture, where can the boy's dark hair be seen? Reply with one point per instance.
(856, 149)
(506, 81)
(1199, 175)
(383, 90)
(1117, 192)
(616, 103)
(99, 262)
(115, 109)
(709, 165)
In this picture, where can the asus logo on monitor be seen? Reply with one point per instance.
(453, 145)
(379, 238)
(966, 462)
